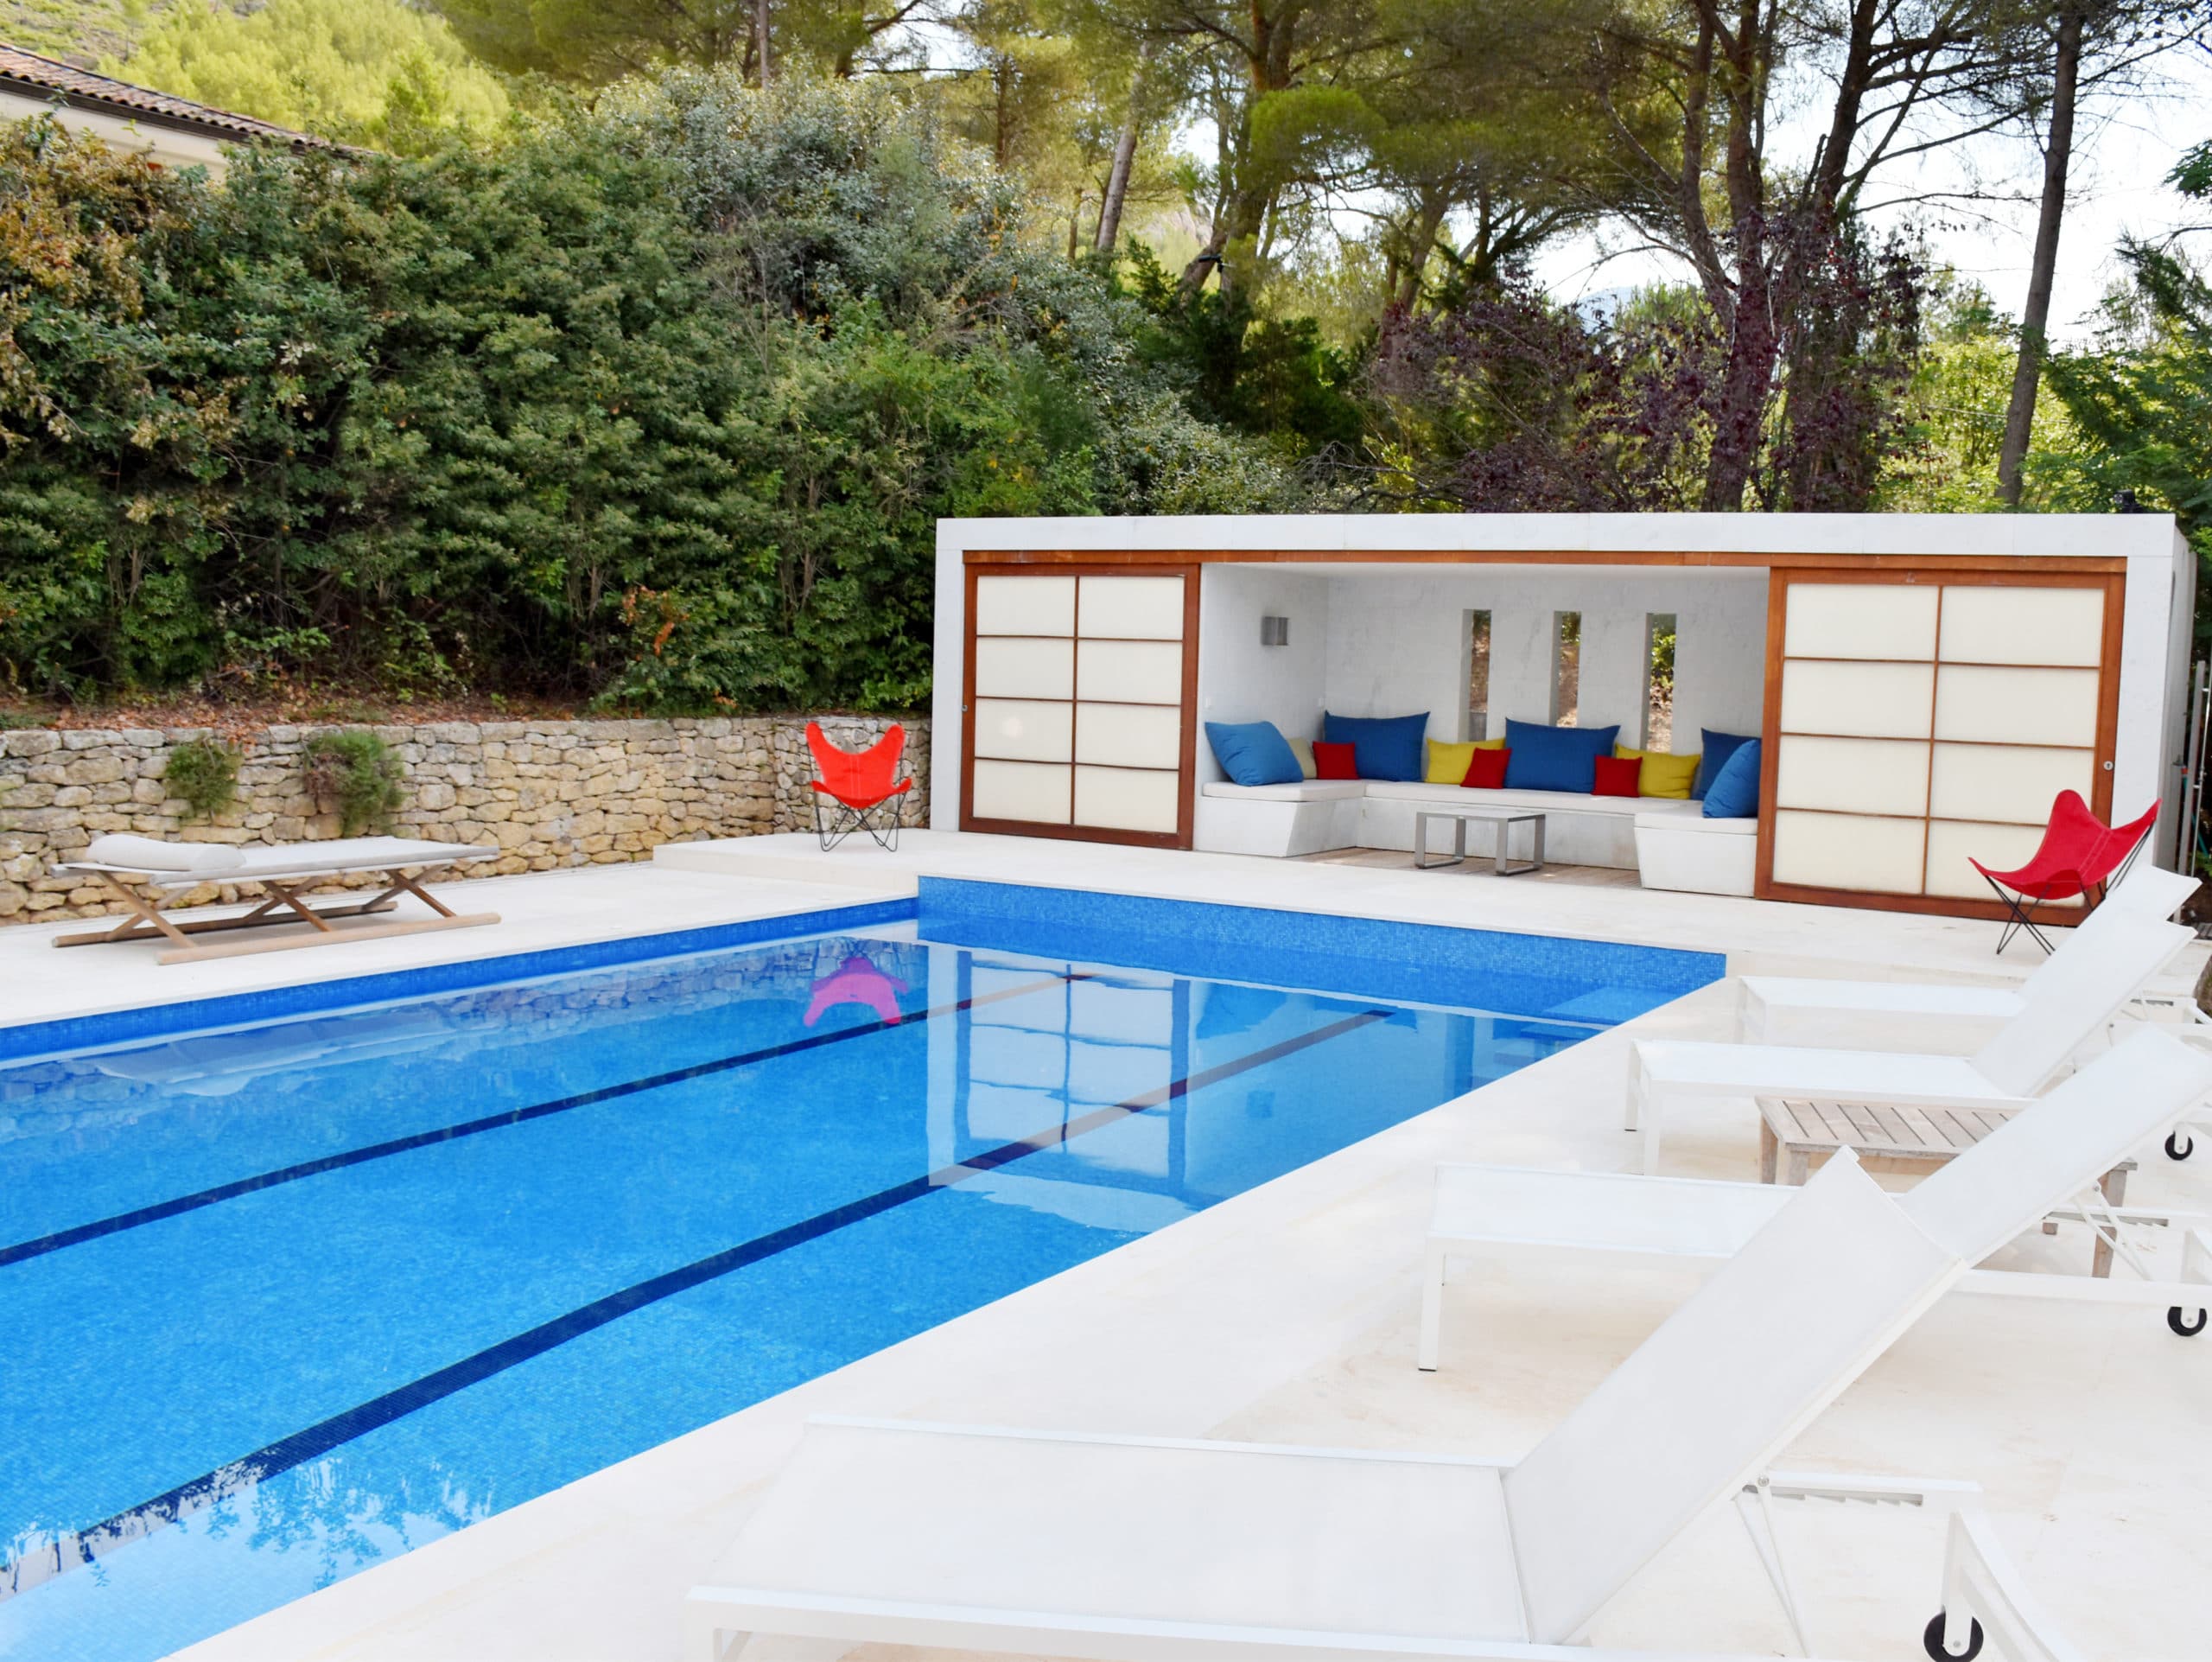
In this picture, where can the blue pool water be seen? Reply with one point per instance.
(279, 1302)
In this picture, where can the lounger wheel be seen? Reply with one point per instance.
(2179, 1147)
(1932, 1641)
(2187, 1331)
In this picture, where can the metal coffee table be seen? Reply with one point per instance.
(1501, 821)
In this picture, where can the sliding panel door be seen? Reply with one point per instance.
(1079, 694)
(1917, 719)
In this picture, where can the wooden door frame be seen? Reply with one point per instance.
(1186, 766)
(2113, 586)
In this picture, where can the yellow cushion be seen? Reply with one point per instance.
(1487, 744)
(1448, 763)
(1662, 774)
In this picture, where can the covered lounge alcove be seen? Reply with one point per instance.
(1922, 686)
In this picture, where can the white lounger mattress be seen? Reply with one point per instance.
(305, 860)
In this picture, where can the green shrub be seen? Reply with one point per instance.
(656, 403)
(358, 772)
(204, 773)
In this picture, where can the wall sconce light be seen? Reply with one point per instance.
(1275, 632)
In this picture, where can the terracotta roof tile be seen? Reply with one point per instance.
(82, 86)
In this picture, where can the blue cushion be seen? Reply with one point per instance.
(1382, 747)
(1555, 758)
(1735, 790)
(1254, 753)
(1719, 747)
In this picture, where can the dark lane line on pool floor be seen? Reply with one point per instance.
(77, 1234)
(86, 1546)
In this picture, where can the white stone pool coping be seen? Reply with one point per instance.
(1286, 1314)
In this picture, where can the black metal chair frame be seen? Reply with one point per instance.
(833, 821)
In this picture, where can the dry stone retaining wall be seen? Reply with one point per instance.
(549, 793)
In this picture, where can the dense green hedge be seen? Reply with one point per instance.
(657, 405)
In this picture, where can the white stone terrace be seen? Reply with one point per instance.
(1287, 1314)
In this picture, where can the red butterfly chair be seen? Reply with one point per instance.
(2079, 856)
(865, 788)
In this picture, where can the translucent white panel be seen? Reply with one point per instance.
(1859, 619)
(1129, 736)
(1010, 1056)
(2011, 783)
(1022, 790)
(1045, 1010)
(1874, 701)
(2010, 706)
(1128, 1015)
(1130, 672)
(2024, 626)
(1853, 775)
(1843, 850)
(998, 1114)
(1143, 609)
(1123, 798)
(1999, 847)
(1025, 669)
(1019, 729)
(1136, 1143)
(1117, 1073)
(1024, 605)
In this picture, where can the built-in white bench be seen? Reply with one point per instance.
(1667, 842)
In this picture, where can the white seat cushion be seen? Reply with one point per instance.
(1310, 790)
(1461, 796)
(1674, 818)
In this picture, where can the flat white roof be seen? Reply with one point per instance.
(2024, 536)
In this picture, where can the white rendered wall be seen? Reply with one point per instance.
(2170, 690)
(1396, 644)
(170, 146)
(1240, 680)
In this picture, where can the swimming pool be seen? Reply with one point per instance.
(279, 1301)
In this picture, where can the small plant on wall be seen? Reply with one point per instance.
(203, 773)
(359, 775)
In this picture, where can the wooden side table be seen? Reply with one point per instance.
(1886, 1138)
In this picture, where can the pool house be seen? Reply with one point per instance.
(1921, 686)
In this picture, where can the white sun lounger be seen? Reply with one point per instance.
(2078, 994)
(148, 874)
(1154, 1549)
(1773, 1007)
(2043, 1165)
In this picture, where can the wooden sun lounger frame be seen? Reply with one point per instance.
(143, 892)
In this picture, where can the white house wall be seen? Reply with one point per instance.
(1240, 680)
(1397, 644)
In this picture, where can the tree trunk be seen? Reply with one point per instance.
(2027, 369)
(1739, 421)
(1420, 242)
(760, 39)
(1125, 156)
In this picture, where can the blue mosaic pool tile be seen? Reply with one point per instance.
(122, 1026)
(1549, 975)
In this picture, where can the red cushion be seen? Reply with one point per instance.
(1616, 775)
(1486, 770)
(1333, 760)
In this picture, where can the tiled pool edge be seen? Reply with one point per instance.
(143, 1022)
(1674, 971)
(1670, 970)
